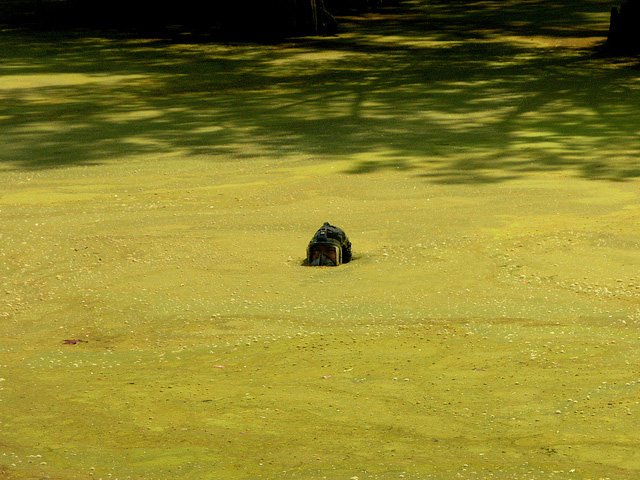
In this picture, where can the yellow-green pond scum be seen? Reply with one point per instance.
(156, 200)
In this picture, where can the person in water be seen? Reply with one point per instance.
(329, 247)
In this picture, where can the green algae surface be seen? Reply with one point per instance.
(157, 197)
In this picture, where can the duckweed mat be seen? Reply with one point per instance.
(157, 198)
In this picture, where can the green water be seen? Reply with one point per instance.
(157, 199)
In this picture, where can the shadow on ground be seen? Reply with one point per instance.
(456, 92)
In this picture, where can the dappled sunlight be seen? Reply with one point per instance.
(546, 41)
(466, 120)
(429, 41)
(38, 80)
(132, 115)
(46, 128)
(308, 58)
(407, 83)
(144, 142)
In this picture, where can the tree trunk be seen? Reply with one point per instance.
(309, 17)
(624, 28)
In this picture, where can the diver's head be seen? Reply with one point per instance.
(324, 254)
(329, 247)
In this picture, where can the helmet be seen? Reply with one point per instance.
(329, 247)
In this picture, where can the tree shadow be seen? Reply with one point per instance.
(453, 92)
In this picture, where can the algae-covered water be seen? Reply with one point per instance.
(157, 197)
